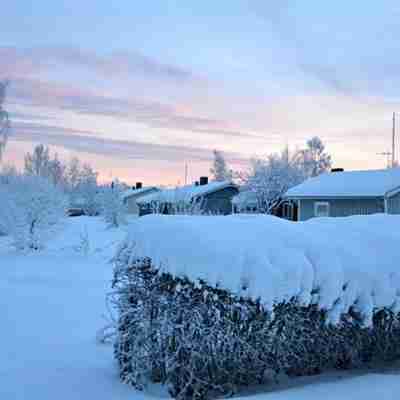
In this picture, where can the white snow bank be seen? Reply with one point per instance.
(333, 262)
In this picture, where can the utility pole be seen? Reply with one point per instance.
(394, 141)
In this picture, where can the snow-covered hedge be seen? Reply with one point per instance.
(207, 304)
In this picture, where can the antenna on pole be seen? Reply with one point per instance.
(394, 141)
(387, 154)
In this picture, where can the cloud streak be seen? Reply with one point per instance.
(20, 62)
(153, 114)
(81, 141)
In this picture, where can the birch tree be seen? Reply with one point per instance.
(4, 119)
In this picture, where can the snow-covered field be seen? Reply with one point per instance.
(52, 305)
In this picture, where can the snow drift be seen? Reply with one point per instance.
(334, 263)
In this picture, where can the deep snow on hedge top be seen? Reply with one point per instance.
(334, 262)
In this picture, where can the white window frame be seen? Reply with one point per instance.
(326, 204)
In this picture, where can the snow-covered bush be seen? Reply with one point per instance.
(113, 207)
(224, 302)
(202, 341)
(30, 207)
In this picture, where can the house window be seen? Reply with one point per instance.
(321, 209)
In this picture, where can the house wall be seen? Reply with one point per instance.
(131, 206)
(393, 204)
(343, 207)
(220, 202)
(130, 202)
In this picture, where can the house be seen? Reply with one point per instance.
(202, 198)
(245, 202)
(340, 194)
(131, 196)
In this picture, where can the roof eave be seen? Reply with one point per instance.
(331, 197)
(393, 192)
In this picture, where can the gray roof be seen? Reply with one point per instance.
(138, 192)
(184, 194)
(349, 184)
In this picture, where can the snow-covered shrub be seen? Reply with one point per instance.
(208, 304)
(201, 341)
(84, 243)
(113, 207)
(30, 207)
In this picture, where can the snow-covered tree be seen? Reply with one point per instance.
(30, 207)
(314, 159)
(37, 162)
(219, 170)
(56, 171)
(270, 178)
(7, 174)
(82, 187)
(72, 174)
(114, 210)
(87, 190)
(4, 120)
(41, 163)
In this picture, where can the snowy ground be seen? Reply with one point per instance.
(51, 306)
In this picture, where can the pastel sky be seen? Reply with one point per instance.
(139, 88)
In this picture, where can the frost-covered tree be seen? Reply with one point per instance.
(72, 174)
(270, 178)
(114, 210)
(82, 187)
(37, 162)
(7, 174)
(219, 170)
(4, 120)
(87, 190)
(30, 207)
(41, 163)
(56, 171)
(314, 159)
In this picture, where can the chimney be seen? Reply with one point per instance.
(139, 185)
(337, 170)
(203, 180)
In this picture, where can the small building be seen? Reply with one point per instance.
(200, 198)
(131, 196)
(245, 202)
(340, 194)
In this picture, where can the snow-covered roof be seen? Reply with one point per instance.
(349, 184)
(137, 192)
(184, 194)
(245, 197)
(327, 261)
